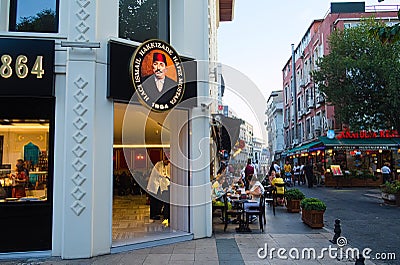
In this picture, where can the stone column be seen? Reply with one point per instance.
(84, 136)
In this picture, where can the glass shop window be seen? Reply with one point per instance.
(34, 16)
(24, 148)
(140, 20)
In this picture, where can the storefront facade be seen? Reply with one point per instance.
(27, 132)
(360, 156)
(76, 219)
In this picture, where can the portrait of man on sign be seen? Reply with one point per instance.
(159, 87)
(157, 75)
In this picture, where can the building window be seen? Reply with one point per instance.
(140, 20)
(34, 16)
(24, 159)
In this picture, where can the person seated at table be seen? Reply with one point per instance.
(217, 190)
(280, 189)
(255, 192)
(272, 176)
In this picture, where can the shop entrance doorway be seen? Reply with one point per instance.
(142, 140)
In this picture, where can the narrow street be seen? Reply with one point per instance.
(366, 221)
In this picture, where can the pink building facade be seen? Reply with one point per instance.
(307, 115)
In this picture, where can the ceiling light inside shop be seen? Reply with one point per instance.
(35, 126)
(141, 146)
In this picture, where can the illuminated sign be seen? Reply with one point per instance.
(26, 67)
(364, 147)
(157, 75)
(367, 134)
(131, 67)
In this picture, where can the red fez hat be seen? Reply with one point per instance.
(159, 57)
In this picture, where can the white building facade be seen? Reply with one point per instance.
(80, 142)
(274, 125)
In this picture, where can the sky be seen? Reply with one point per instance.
(28, 8)
(257, 43)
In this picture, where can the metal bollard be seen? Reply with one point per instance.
(360, 260)
(337, 231)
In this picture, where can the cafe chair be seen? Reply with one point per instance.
(220, 208)
(276, 195)
(269, 198)
(258, 211)
(234, 212)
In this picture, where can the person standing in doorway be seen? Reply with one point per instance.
(158, 186)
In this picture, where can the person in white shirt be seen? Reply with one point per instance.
(256, 190)
(296, 173)
(158, 186)
(277, 168)
(256, 168)
(386, 172)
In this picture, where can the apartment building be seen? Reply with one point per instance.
(307, 116)
(274, 125)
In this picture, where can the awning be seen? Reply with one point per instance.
(302, 148)
(362, 144)
(226, 132)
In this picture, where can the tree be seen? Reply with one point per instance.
(138, 20)
(387, 34)
(360, 78)
(44, 21)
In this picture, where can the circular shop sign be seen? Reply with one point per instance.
(158, 76)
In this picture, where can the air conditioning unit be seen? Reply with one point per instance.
(310, 136)
(299, 114)
(296, 141)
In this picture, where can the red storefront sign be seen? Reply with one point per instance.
(367, 134)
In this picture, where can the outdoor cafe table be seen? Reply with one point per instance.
(240, 205)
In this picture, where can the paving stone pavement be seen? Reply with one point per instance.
(285, 231)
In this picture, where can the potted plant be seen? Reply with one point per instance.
(293, 198)
(312, 212)
(391, 192)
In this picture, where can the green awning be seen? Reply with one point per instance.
(364, 144)
(302, 147)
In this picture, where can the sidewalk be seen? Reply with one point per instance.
(285, 230)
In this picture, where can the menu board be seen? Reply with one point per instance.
(336, 171)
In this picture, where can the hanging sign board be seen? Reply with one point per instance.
(26, 67)
(152, 74)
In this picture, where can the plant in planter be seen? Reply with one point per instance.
(312, 212)
(293, 198)
(391, 192)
